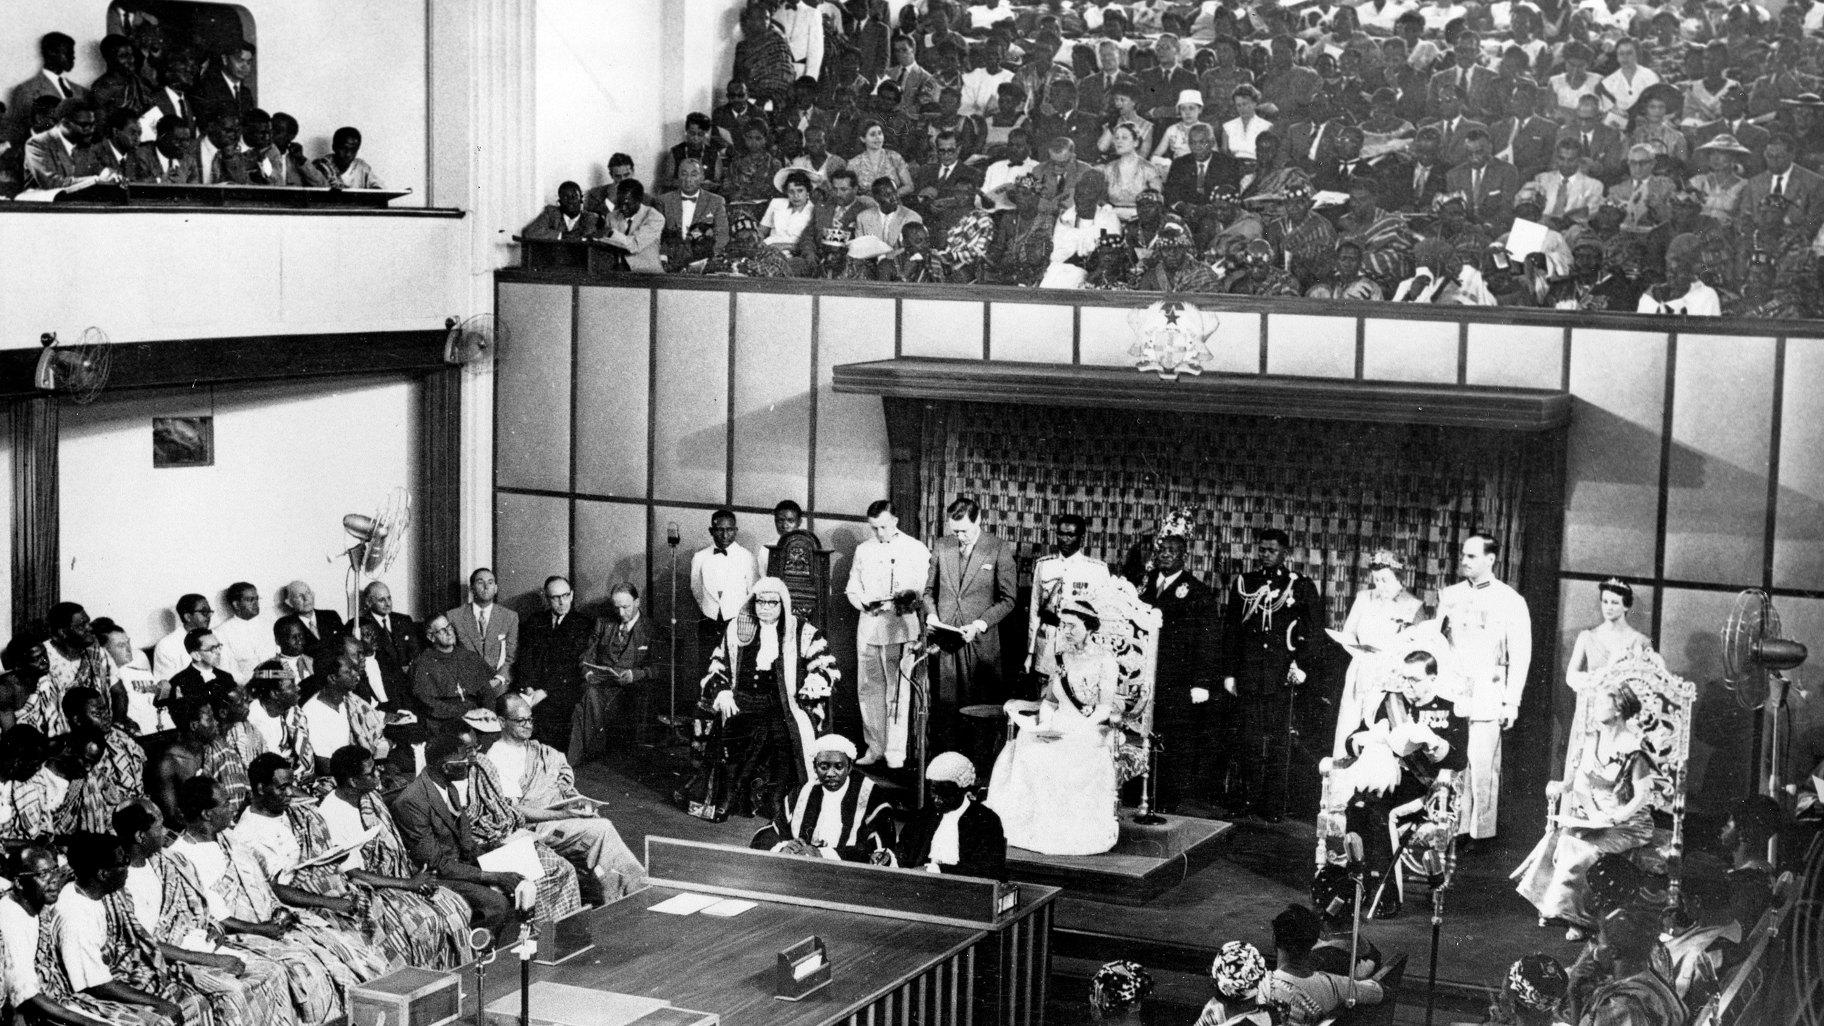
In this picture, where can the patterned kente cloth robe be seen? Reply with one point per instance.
(496, 819)
(323, 962)
(118, 779)
(227, 758)
(386, 855)
(44, 709)
(261, 996)
(1311, 242)
(431, 933)
(547, 780)
(133, 959)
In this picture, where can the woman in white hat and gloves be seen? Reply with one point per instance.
(954, 833)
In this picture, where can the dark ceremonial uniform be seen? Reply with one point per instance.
(1268, 625)
(1192, 765)
(1368, 811)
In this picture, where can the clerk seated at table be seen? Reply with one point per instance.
(954, 833)
(836, 814)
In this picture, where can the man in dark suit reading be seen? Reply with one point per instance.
(972, 587)
(435, 814)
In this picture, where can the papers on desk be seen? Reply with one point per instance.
(708, 904)
(684, 904)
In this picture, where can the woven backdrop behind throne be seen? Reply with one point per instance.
(1339, 489)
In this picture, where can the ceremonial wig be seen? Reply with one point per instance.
(1119, 986)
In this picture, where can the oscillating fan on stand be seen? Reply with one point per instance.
(1755, 660)
(378, 540)
(77, 372)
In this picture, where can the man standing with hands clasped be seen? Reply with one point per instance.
(1491, 639)
(884, 584)
(972, 586)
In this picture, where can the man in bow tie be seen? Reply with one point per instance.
(1491, 639)
(721, 575)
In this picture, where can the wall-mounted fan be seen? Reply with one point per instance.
(1755, 659)
(475, 340)
(379, 538)
(76, 371)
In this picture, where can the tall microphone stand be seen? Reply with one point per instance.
(1437, 874)
(1149, 784)
(672, 735)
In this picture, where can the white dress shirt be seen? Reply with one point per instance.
(720, 581)
(981, 91)
(79, 925)
(328, 726)
(999, 175)
(803, 29)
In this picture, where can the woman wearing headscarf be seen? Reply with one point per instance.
(1532, 993)
(769, 684)
(954, 833)
(1236, 973)
(1118, 992)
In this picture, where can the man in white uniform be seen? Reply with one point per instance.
(1491, 640)
(885, 584)
(721, 575)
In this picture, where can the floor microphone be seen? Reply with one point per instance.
(671, 534)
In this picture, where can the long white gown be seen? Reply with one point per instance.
(1377, 621)
(1058, 796)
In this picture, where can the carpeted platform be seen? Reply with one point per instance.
(1147, 861)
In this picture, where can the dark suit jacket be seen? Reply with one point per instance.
(549, 226)
(19, 106)
(1187, 640)
(1606, 152)
(981, 842)
(550, 657)
(636, 651)
(1455, 149)
(396, 644)
(434, 836)
(872, 42)
(1493, 203)
(984, 590)
(1397, 192)
(211, 94)
(1533, 143)
(955, 196)
(168, 108)
(1092, 92)
(1159, 91)
(1082, 126)
(153, 166)
(128, 167)
(711, 210)
(1182, 184)
(328, 621)
(188, 683)
(1480, 100)
(1804, 190)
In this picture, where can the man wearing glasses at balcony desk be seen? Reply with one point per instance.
(448, 681)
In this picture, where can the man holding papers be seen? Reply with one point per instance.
(971, 586)
(540, 782)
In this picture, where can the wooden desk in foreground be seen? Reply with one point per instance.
(905, 947)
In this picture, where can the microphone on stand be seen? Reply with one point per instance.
(1437, 869)
(671, 534)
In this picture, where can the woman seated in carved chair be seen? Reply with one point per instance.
(1604, 808)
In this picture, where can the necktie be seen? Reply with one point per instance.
(63, 87)
(1419, 174)
(481, 623)
(943, 173)
(1559, 201)
(1475, 185)
(456, 800)
(1779, 185)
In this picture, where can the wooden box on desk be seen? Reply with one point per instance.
(407, 997)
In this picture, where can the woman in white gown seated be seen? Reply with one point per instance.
(1054, 785)
(1603, 811)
